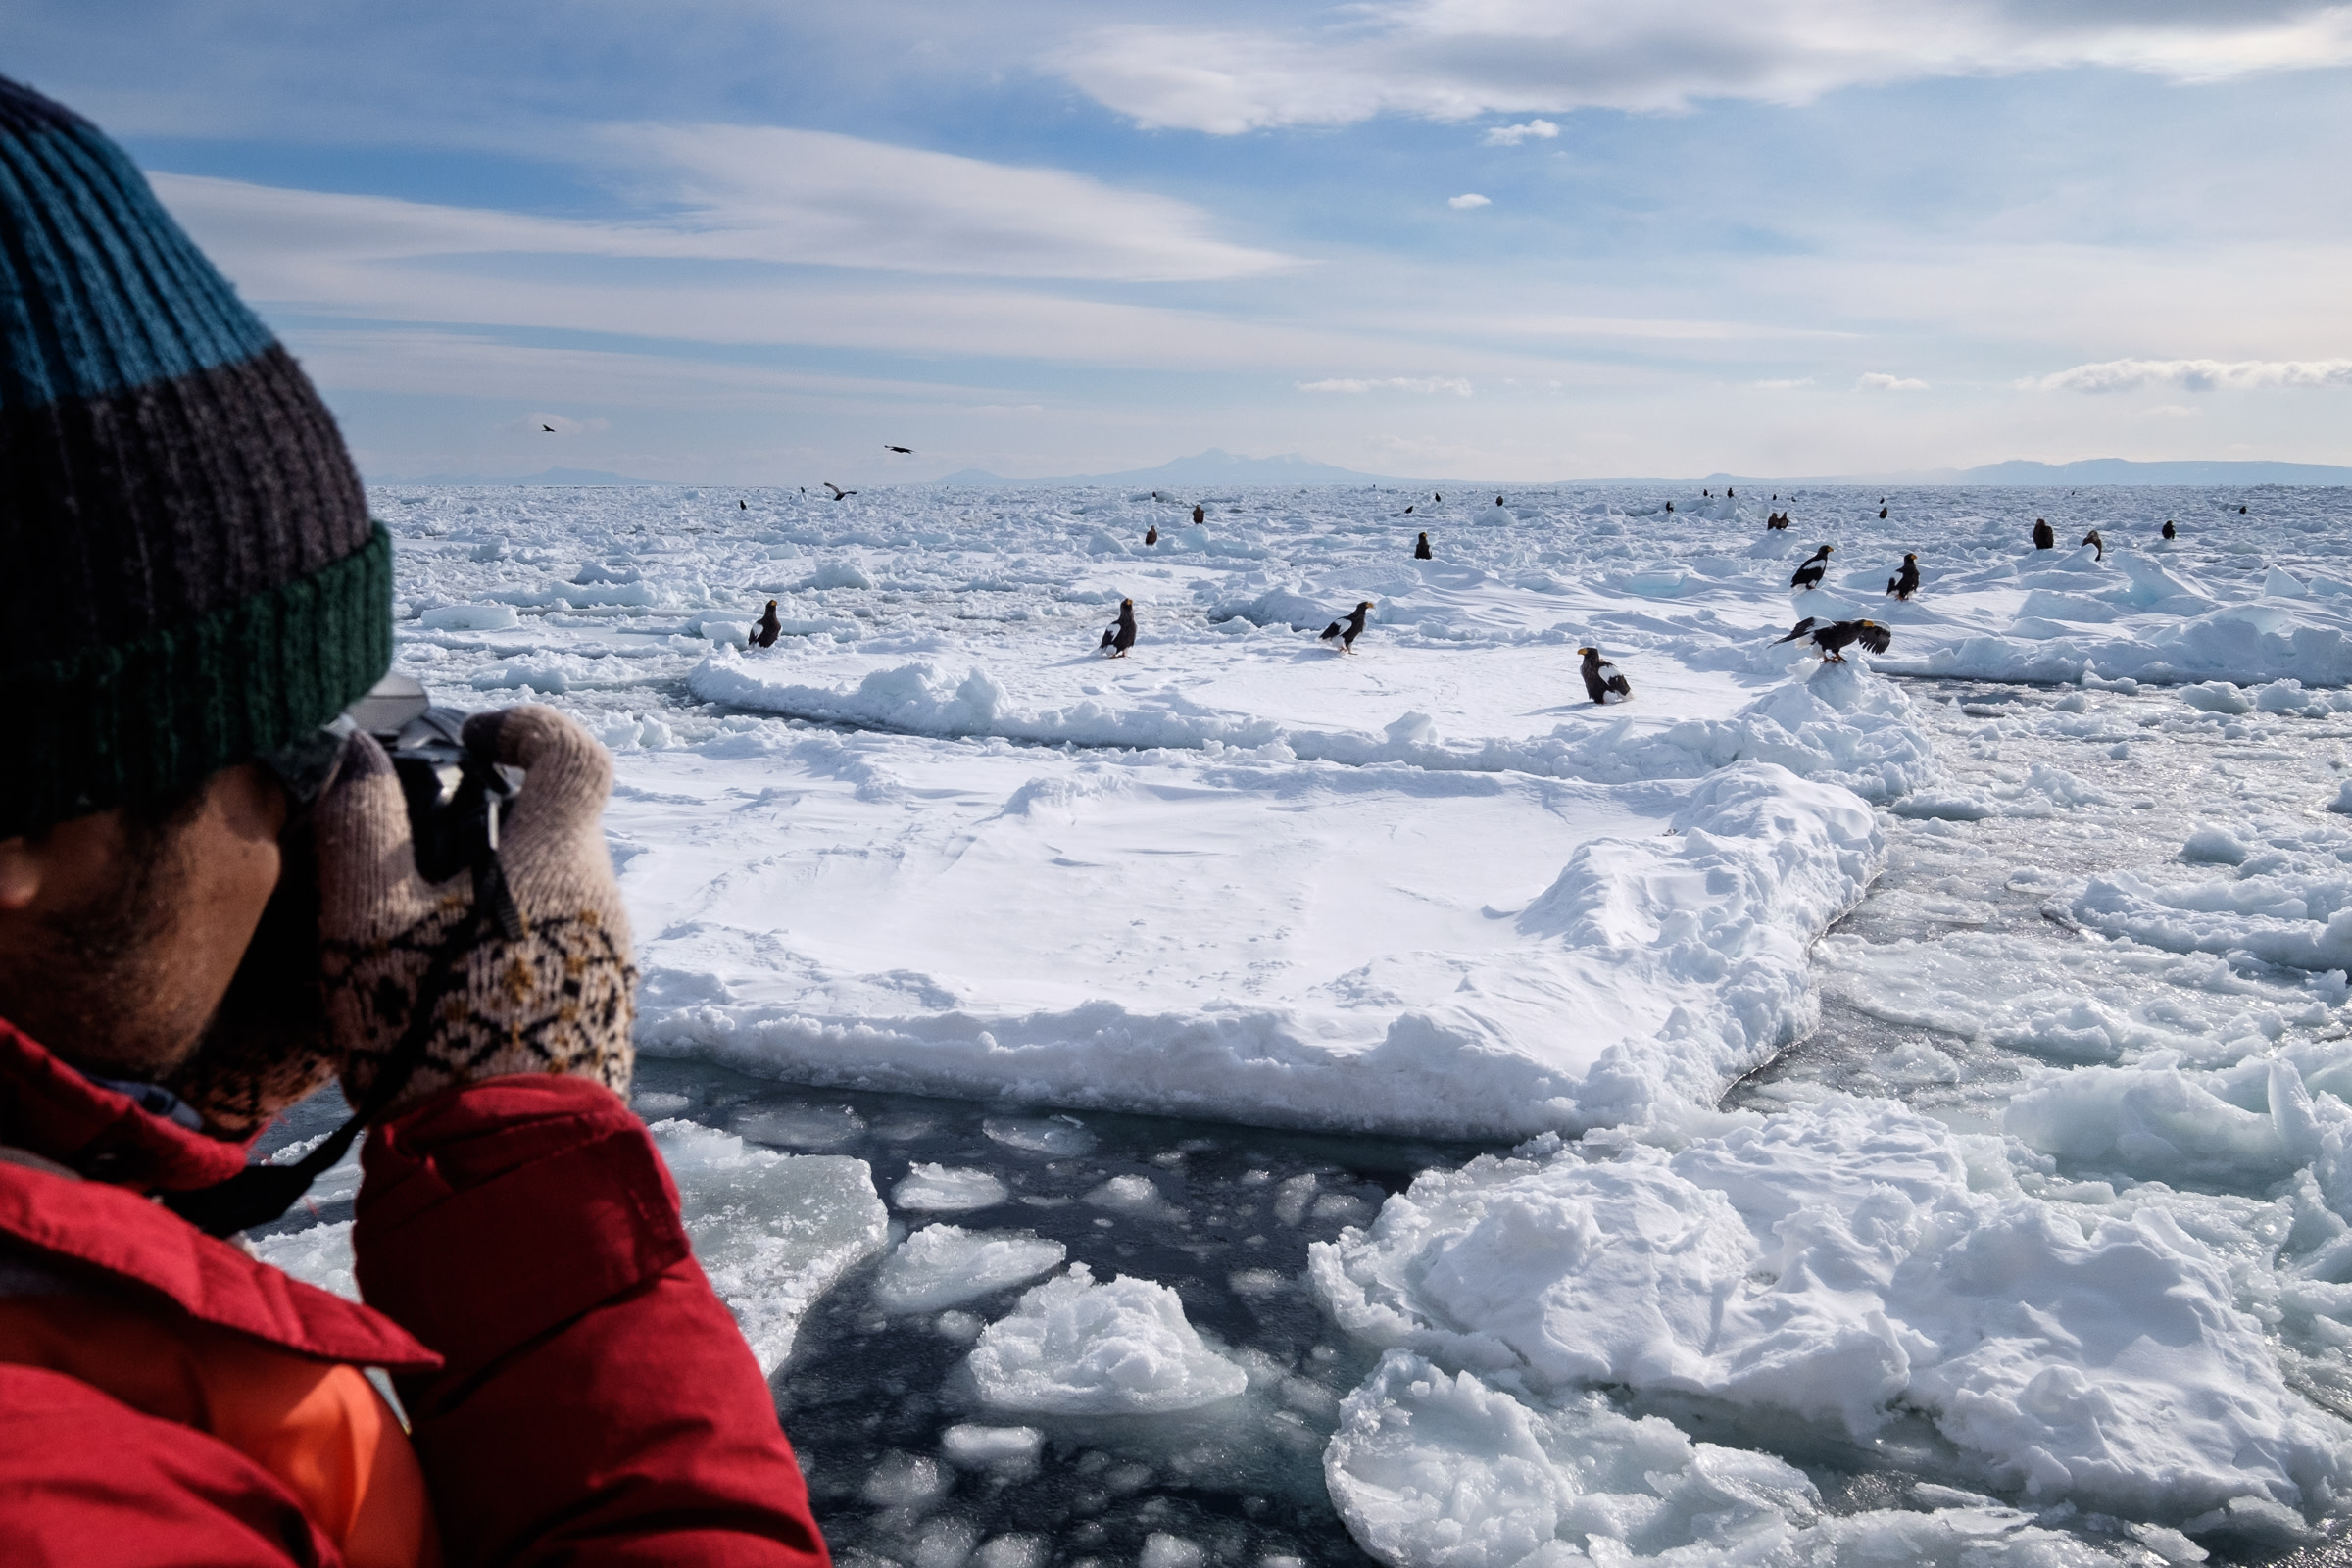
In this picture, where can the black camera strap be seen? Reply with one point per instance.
(260, 1193)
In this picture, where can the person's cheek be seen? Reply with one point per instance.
(233, 854)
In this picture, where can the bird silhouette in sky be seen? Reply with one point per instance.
(837, 492)
(886, 447)
(549, 428)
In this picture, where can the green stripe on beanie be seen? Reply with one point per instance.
(143, 719)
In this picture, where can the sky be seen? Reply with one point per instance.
(757, 243)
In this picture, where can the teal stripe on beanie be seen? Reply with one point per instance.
(139, 722)
(100, 291)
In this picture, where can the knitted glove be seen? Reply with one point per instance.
(559, 1000)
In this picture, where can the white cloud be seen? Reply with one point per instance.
(2196, 375)
(1880, 381)
(747, 193)
(1464, 202)
(1458, 59)
(425, 362)
(814, 196)
(1391, 383)
(1786, 386)
(1513, 135)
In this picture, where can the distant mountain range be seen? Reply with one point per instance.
(2122, 471)
(1219, 468)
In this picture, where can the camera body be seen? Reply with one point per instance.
(457, 801)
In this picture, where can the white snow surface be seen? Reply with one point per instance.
(1255, 878)
(1439, 1470)
(932, 841)
(1841, 1263)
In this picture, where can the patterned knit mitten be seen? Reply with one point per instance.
(560, 1000)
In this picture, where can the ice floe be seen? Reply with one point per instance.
(1078, 1346)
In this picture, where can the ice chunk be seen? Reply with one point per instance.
(2217, 697)
(907, 1481)
(840, 574)
(1062, 1136)
(945, 1544)
(1137, 1195)
(802, 1126)
(944, 1265)
(1837, 1261)
(1164, 1551)
(773, 1232)
(940, 1188)
(1010, 1451)
(469, 617)
(1436, 1471)
(1013, 1551)
(1076, 1345)
(319, 1256)
(1431, 1470)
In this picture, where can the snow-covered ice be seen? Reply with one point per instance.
(1078, 1346)
(946, 1266)
(1849, 1264)
(2040, 1251)
(772, 1231)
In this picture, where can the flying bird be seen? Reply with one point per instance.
(1602, 677)
(549, 428)
(886, 447)
(2098, 545)
(2043, 537)
(1421, 548)
(1905, 583)
(1348, 630)
(1808, 576)
(768, 628)
(839, 493)
(1121, 637)
(1832, 638)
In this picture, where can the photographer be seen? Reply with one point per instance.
(576, 1392)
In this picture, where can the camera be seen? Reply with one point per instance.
(457, 799)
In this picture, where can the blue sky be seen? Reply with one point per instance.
(753, 243)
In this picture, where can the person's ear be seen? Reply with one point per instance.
(19, 874)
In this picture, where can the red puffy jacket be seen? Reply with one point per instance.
(576, 1392)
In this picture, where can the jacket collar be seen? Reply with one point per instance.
(54, 1111)
(102, 1229)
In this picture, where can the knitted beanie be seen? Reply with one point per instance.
(189, 575)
